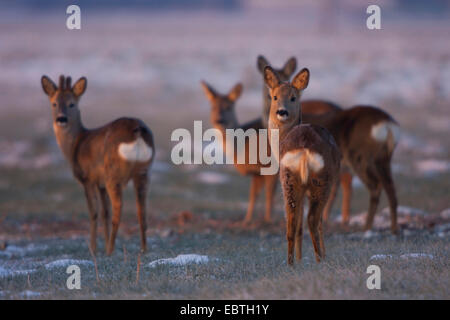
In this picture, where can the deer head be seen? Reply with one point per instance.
(64, 100)
(285, 108)
(222, 106)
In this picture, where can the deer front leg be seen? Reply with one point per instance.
(92, 202)
(255, 187)
(115, 194)
(270, 185)
(105, 213)
(140, 185)
(384, 170)
(330, 201)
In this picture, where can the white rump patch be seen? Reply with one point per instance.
(381, 130)
(291, 160)
(135, 151)
(315, 161)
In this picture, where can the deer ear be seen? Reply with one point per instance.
(236, 92)
(262, 63)
(210, 93)
(290, 66)
(79, 87)
(301, 80)
(48, 86)
(270, 77)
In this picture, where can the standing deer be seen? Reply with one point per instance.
(103, 160)
(367, 137)
(379, 148)
(309, 161)
(223, 116)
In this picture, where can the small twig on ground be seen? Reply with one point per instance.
(138, 268)
(95, 263)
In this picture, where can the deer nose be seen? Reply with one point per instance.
(282, 112)
(61, 119)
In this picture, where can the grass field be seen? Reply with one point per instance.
(198, 209)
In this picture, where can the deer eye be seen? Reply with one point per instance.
(293, 99)
(71, 105)
(275, 97)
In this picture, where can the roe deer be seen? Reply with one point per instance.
(323, 113)
(223, 116)
(103, 160)
(315, 112)
(366, 137)
(309, 165)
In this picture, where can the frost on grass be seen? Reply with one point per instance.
(67, 262)
(180, 260)
(13, 250)
(381, 256)
(8, 272)
(30, 294)
(402, 256)
(417, 255)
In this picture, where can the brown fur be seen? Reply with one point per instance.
(96, 164)
(285, 97)
(223, 117)
(370, 160)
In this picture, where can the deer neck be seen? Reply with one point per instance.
(283, 129)
(233, 124)
(266, 106)
(67, 138)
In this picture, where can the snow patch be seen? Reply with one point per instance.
(381, 256)
(403, 256)
(180, 260)
(67, 262)
(30, 294)
(8, 272)
(417, 255)
(12, 250)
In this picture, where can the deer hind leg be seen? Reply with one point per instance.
(140, 184)
(105, 213)
(385, 175)
(373, 184)
(346, 183)
(291, 203)
(299, 227)
(317, 205)
(330, 202)
(255, 188)
(115, 194)
(270, 185)
(92, 202)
